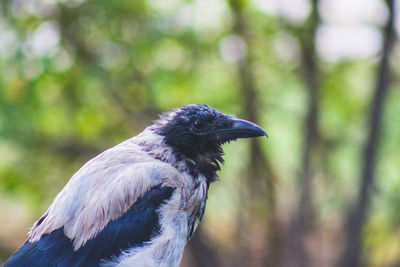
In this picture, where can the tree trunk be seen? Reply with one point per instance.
(295, 253)
(357, 216)
(261, 178)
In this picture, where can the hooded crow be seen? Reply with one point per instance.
(139, 202)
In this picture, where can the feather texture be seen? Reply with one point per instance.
(136, 227)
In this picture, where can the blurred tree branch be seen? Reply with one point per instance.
(295, 252)
(72, 36)
(358, 214)
(260, 177)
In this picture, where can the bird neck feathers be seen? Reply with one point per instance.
(207, 163)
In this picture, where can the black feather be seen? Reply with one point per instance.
(138, 225)
(191, 133)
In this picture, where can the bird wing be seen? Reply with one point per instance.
(112, 203)
(139, 224)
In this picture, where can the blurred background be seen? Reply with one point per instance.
(321, 76)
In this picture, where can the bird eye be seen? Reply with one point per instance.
(198, 124)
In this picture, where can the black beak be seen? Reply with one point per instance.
(240, 129)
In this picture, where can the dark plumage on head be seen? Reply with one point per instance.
(198, 132)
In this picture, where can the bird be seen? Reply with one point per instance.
(139, 202)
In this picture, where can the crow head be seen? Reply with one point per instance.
(197, 133)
